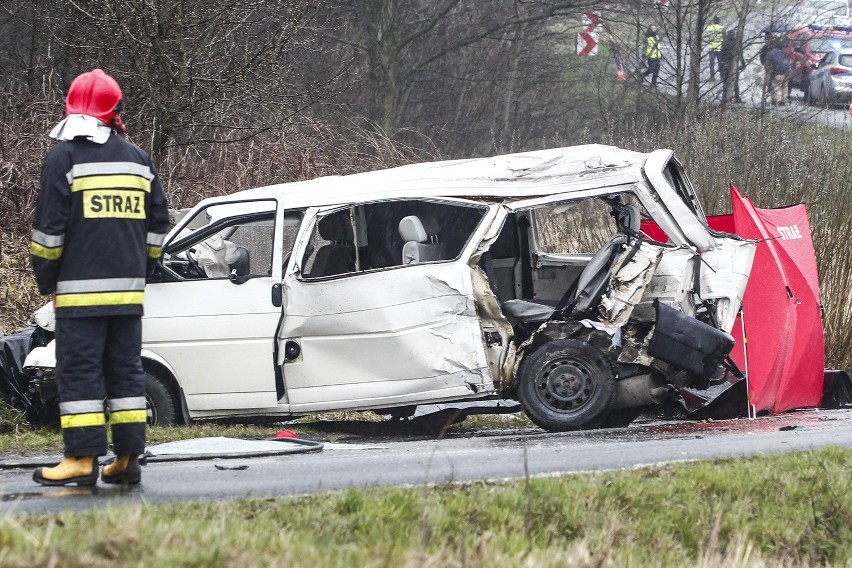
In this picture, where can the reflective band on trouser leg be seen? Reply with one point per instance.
(126, 403)
(128, 428)
(82, 423)
(83, 420)
(127, 416)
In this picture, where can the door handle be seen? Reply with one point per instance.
(277, 295)
(242, 279)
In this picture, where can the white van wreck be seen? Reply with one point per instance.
(524, 276)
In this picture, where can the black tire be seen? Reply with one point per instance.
(159, 402)
(566, 385)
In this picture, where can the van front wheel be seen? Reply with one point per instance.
(566, 385)
(160, 405)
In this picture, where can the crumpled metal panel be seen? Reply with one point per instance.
(627, 284)
(671, 282)
(500, 355)
(721, 400)
(724, 277)
(385, 337)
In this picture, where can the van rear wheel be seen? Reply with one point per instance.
(566, 385)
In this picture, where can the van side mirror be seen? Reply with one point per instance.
(277, 295)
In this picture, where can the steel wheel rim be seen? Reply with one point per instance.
(565, 385)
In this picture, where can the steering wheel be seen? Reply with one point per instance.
(194, 266)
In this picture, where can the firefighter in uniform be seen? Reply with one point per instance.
(99, 228)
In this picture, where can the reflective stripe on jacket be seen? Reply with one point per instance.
(99, 227)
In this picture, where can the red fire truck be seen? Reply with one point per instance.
(806, 46)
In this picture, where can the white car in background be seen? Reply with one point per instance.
(522, 276)
(831, 80)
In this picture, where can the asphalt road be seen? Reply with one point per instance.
(472, 455)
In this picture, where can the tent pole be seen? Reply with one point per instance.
(750, 411)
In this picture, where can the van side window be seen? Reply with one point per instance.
(412, 232)
(388, 234)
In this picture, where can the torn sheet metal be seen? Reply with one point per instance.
(628, 282)
(724, 399)
(496, 330)
(671, 283)
(724, 274)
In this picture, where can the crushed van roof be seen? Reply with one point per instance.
(520, 175)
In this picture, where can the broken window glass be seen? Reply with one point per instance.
(578, 227)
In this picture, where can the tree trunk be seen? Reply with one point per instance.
(382, 47)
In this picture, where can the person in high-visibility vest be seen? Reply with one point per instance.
(653, 54)
(715, 35)
(99, 228)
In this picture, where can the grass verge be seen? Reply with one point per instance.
(790, 510)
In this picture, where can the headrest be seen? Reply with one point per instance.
(411, 229)
(629, 217)
(336, 227)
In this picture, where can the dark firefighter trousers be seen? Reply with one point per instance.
(97, 358)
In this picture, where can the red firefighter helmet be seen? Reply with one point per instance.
(96, 94)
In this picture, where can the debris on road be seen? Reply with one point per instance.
(221, 447)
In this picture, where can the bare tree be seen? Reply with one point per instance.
(194, 70)
(415, 50)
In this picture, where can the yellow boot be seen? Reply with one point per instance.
(82, 471)
(125, 469)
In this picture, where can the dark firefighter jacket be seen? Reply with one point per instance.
(99, 227)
